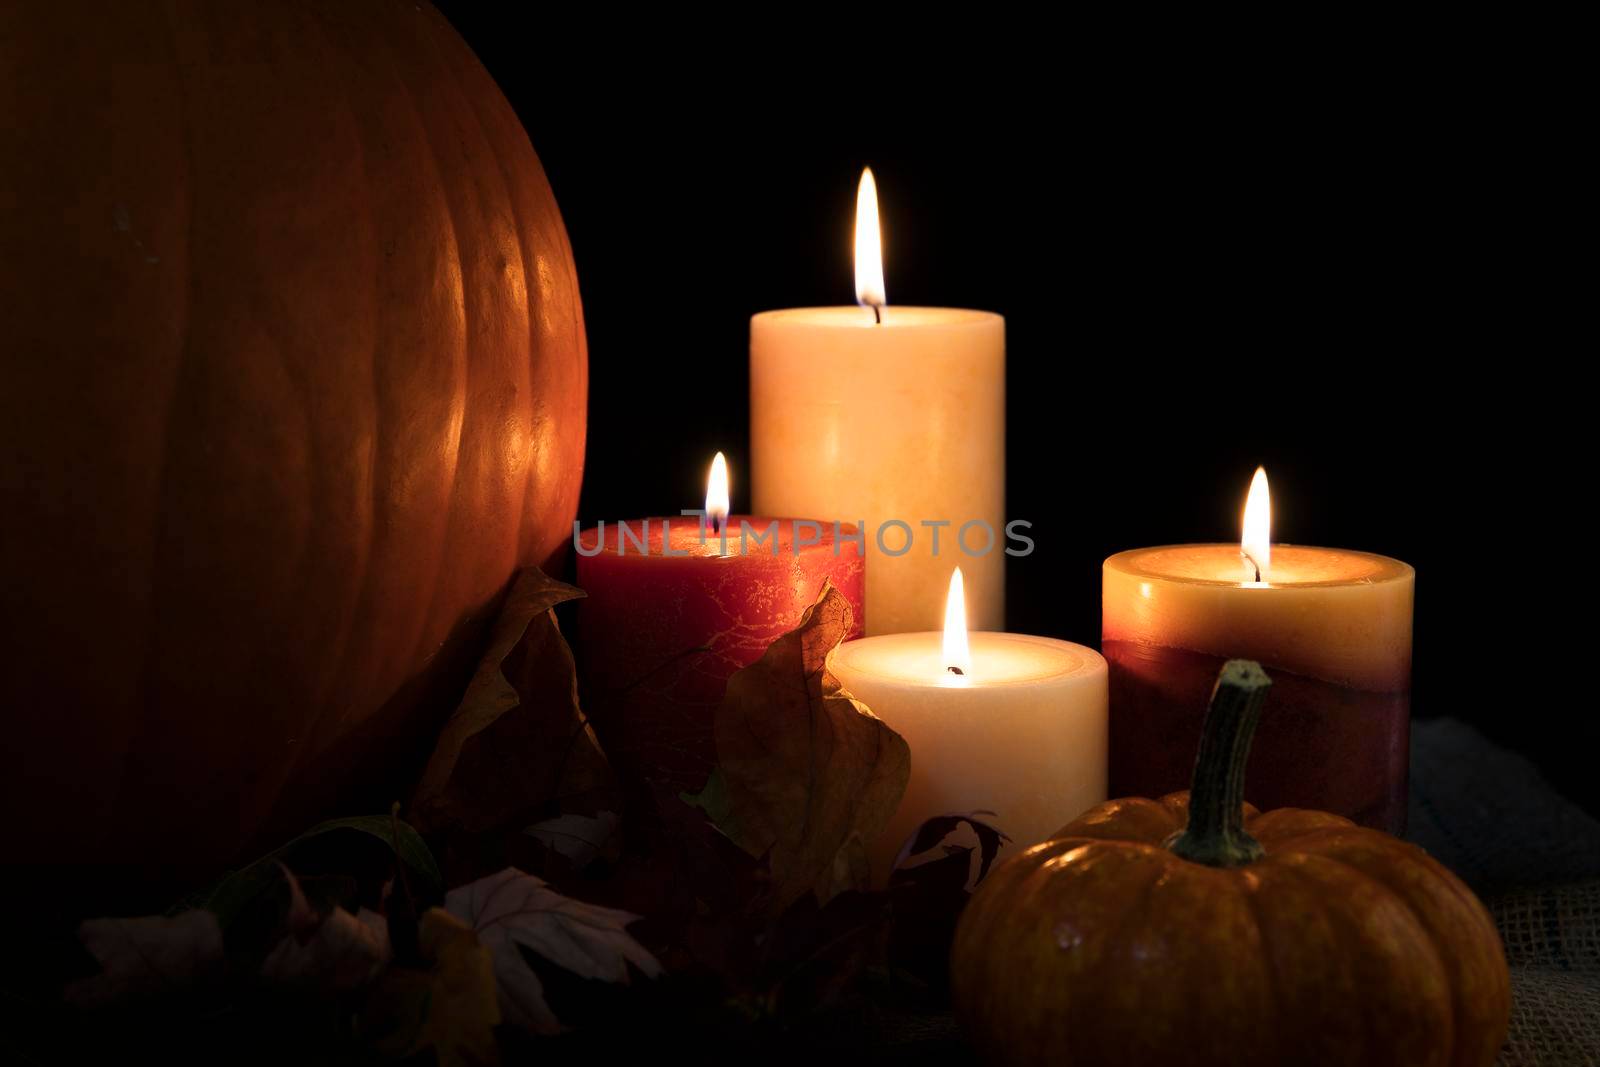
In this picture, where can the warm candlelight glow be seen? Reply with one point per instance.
(1256, 544)
(717, 493)
(957, 658)
(869, 245)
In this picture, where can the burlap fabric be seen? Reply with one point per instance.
(1534, 858)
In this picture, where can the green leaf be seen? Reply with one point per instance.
(234, 894)
(714, 800)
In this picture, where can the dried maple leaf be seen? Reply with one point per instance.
(448, 1005)
(147, 957)
(805, 774)
(511, 911)
(518, 747)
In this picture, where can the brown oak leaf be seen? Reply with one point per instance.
(806, 775)
(518, 748)
(511, 911)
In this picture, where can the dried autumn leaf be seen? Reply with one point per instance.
(937, 828)
(927, 901)
(512, 910)
(805, 774)
(579, 838)
(449, 1005)
(811, 954)
(928, 896)
(330, 953)
(518, 746)
(146, 957)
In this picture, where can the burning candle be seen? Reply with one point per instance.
(1333, 629)
(892, 418)
(1004, 722)
(673, 608)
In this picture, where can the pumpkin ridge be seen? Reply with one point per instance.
(462, 356)
(569, 473)
(331, 714)
(363, 591)
(1116, 844)
(1460, 1016)
(1286, 864)
(1368, 876)
(145, 700)
(379, 666)
(1458, 890)
(1267, 826)
(1133, 909)
(1107, 821)
(467, 117)
(531, 297)
(462, 364)
(364, 542)
(1250, 890)
(1447, 978)
(1303, 840)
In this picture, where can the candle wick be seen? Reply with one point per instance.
(877, 318)
(956, 670)
(1254, 564)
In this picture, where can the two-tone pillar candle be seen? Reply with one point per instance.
(1333, 629)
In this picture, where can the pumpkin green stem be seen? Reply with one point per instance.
(1215, 835)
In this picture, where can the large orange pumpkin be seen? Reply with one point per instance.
(1165, 932)
(294, 380)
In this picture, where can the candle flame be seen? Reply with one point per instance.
(1256, 544)
(869, 245)
(717, 493)
(957, 657)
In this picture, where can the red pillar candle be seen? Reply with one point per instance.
(1331, 627)
(669, 616)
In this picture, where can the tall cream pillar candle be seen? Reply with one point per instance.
(893, 419)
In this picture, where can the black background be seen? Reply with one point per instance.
(1200, 270)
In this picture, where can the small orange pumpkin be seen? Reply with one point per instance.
(1169, 931)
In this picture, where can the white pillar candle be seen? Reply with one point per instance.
(892, 418)
(1021, 731)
